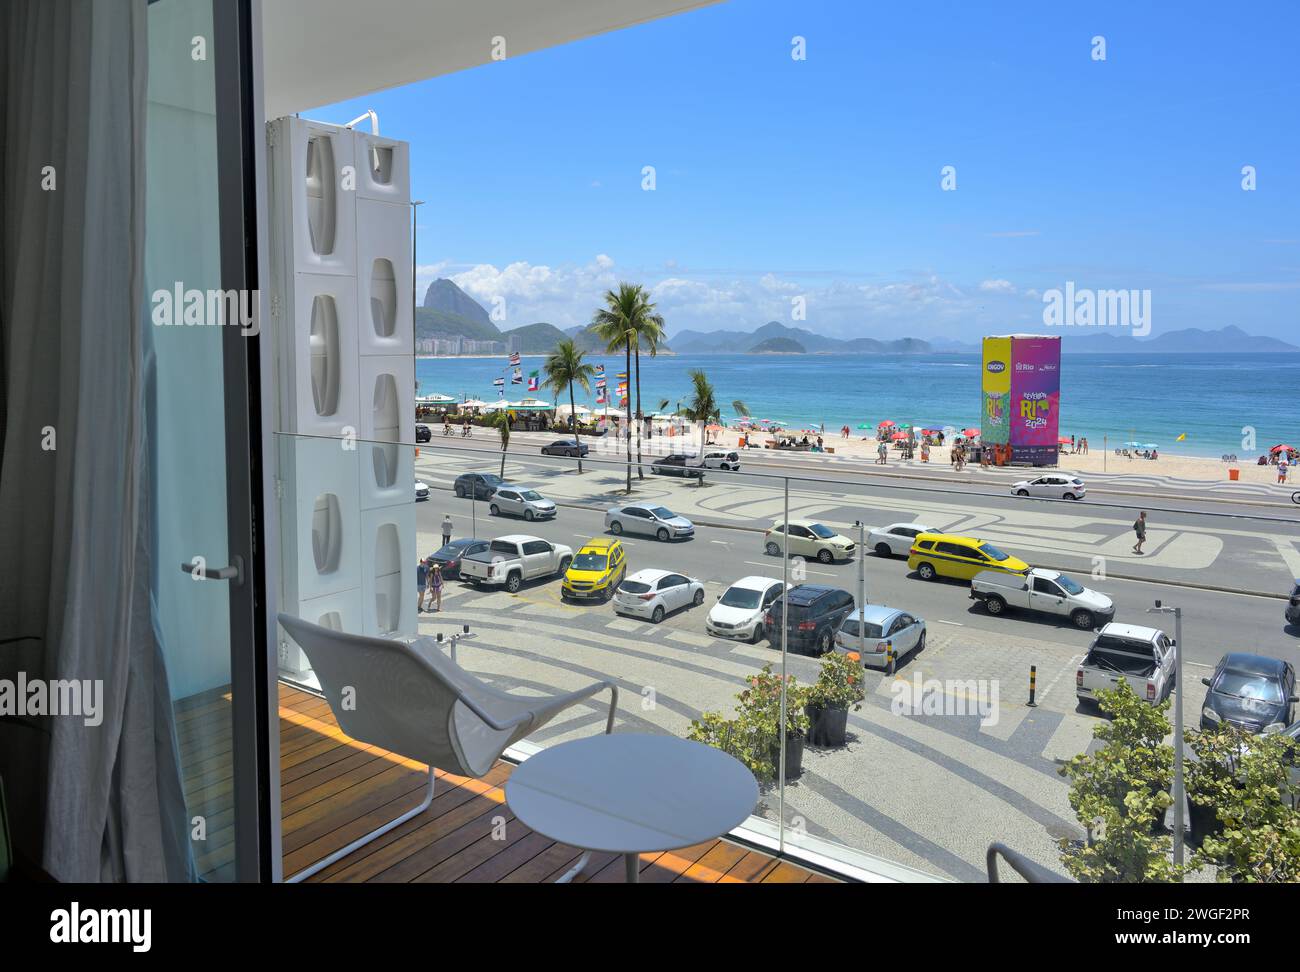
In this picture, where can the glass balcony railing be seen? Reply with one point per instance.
(908, 745)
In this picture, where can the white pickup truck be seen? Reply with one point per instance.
(1048, 591)
(514, 559)
(1143, 657)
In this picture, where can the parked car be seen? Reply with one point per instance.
(808, 539)
(521, 501)
(449, 556)
(421, 491)
(1293, 606)
(1251, 692)
(740, 608)
(1048, 591)
(423, 433)
(566, 447)
(480, 485)
(895, 539)
(948, 555)
(1055, 486)
(597, 569)
(1143, 657)
(514, 559)
(721, 459)
(815, 612)
(879, 632)
(653, 594)
(678, 464)
(650, 521)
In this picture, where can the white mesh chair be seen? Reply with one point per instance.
(422, 706)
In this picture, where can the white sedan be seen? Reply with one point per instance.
(1056, 486)
(651, 594)
(740, 609)
(896, 539)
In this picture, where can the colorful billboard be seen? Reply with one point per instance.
(1022, 396)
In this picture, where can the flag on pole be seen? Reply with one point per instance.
(600, 396)
(600, 383)
(517, 378)
(534, 384)
(514, 357)
(600, 371)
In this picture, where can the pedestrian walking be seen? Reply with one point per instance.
(1140, 528)
(432, 588)
(421, 575)
(446, 529)
(426, 590)
(882, 454)
(1282, 468)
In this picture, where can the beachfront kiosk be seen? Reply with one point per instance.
(1021, 393)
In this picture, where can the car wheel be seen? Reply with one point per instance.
(493, 510)
(994, 604)
(1022, 492)
(616, 528)
(884, 550)
(699, 597)
(658, 614)
(460, 491)
(528, 515)
(825, 556)
(1083, 620)
(772, 549)
(824, 642)
(926, 571)
(513, 583)
(661, 535)
(920, 643)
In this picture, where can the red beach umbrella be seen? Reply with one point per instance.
(886, 424)
(970, 433)
(1282, 448)
(899, 435)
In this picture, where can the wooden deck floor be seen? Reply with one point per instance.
(334, 790)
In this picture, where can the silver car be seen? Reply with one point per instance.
(650, 521)
(884, 635)
(514, 500)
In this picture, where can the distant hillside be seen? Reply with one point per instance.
(722, 342)
(778, 345)
(443, 295)
(535, 338)
(1192, 340)
(585, 339)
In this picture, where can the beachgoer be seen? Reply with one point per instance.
(1282, 470)
(427, 594)
(819, 443)
(421, 574)
(446, 529)
(1140, 528)
(925, 450)
(435, 580)
(882, 454)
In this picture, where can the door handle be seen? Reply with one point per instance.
(235, 572)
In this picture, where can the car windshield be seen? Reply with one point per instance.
(531, 495)
(590, 561)
(1247, 685)
(739, 597)
(824, 532)
(493, 480)
(663, 512)
(633, 587)
(850, 627)
(992, 552)
(1071, 585)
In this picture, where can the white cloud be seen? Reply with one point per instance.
(997, 287)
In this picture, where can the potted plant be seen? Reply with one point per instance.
(760, 707)
(839, 687)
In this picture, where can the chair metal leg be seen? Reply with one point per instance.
(362, 841)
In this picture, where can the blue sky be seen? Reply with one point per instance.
(821, 178)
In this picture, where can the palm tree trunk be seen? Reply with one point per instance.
(627, 346)
(640, 473)
(573, 423)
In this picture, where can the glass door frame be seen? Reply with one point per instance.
(241, 186)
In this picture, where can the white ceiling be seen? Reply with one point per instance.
(318, 52)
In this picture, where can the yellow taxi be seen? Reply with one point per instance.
(948, 555)
(596, 570)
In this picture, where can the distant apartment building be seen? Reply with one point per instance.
(447, 347)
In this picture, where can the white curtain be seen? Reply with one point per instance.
(106, 801)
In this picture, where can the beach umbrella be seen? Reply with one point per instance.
(898, 435)
(970, 433)
(886, 424)
(1282, 448)
(1063, 440)
(863, 425)
(713, 428)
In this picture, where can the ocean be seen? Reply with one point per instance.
(1215, 400)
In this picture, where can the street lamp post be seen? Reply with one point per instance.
(1177, 612)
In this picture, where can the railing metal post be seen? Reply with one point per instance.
(785, 641)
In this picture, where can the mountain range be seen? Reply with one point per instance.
(1117, 340)
(775, 336)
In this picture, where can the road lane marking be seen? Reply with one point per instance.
(956, 624)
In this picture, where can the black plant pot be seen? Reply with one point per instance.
(793, 756)
(828, 726)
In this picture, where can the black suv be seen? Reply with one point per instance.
(815, 614)
(677, 465)
(1293, 605)
(482, 485)
(423, 433)
(1252, 692)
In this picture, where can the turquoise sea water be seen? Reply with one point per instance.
(1152, 398)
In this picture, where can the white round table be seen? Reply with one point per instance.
(629, 794)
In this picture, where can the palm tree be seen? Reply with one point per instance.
(702, 406)
(627, 318)
(501, 420)
(563, 368)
